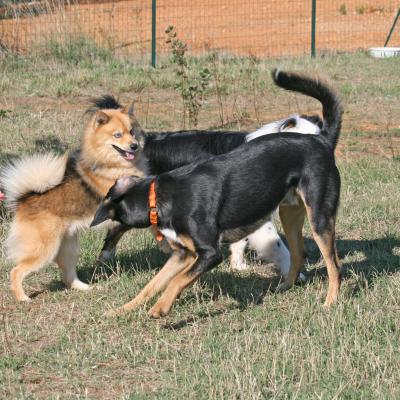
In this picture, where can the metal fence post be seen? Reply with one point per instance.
(392, 28)
(313, 26)
(153, 33)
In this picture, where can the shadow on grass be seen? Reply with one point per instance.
(54, 286)
(380, 259)
(130, 264)
(176, 326)
(251, 288)
(50, 143)
(148, 259)
(244, 289)
(6, 157)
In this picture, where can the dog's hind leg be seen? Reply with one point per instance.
(67, 258)
(178, 261)
(22, 270)
(113, 236)
(321, 213)
(292, 218)
(324, 236)
(32, 245)
(326, 244)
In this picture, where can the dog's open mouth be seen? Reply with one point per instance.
(128, 155)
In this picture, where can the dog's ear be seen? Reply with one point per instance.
(121, 186)
(290, 123)
(101, 118)
(136, 129)
(103, 213)
(137, 132)
(130, 110)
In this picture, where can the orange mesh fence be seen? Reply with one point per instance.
(237, 27)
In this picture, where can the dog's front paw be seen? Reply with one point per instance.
(24, 299)
(240, 266)
(282, 287)
(106, 257)
(79, 285)
(301, 278)
(330, 300)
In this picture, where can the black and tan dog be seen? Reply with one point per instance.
(166, 151)
(227, 197)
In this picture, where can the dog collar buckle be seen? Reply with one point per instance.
(153, 216)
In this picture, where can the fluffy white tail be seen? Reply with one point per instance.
(38, 173)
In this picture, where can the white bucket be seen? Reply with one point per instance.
(383, 52)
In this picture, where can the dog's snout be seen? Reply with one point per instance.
(134, 146)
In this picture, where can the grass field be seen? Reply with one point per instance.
(230, 336)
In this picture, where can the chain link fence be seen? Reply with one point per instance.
(258, 28)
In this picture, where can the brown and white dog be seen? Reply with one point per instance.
(53, 197)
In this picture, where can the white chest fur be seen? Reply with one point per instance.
(171, 235)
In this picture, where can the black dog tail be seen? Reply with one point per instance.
(331, 106)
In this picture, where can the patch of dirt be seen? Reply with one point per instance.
(352, 148)
(159, 110)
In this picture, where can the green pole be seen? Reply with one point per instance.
(392, 28)
(313, 26)
(153, 33)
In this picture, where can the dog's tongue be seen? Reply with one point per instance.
(2, 196)
(129, 156)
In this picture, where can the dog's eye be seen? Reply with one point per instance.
(132, 132)
(117, 135)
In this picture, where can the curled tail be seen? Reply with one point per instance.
(38, 174)
(331, 106)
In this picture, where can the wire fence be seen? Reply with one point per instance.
(260, 28)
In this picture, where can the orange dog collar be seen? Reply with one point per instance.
(153, 214)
